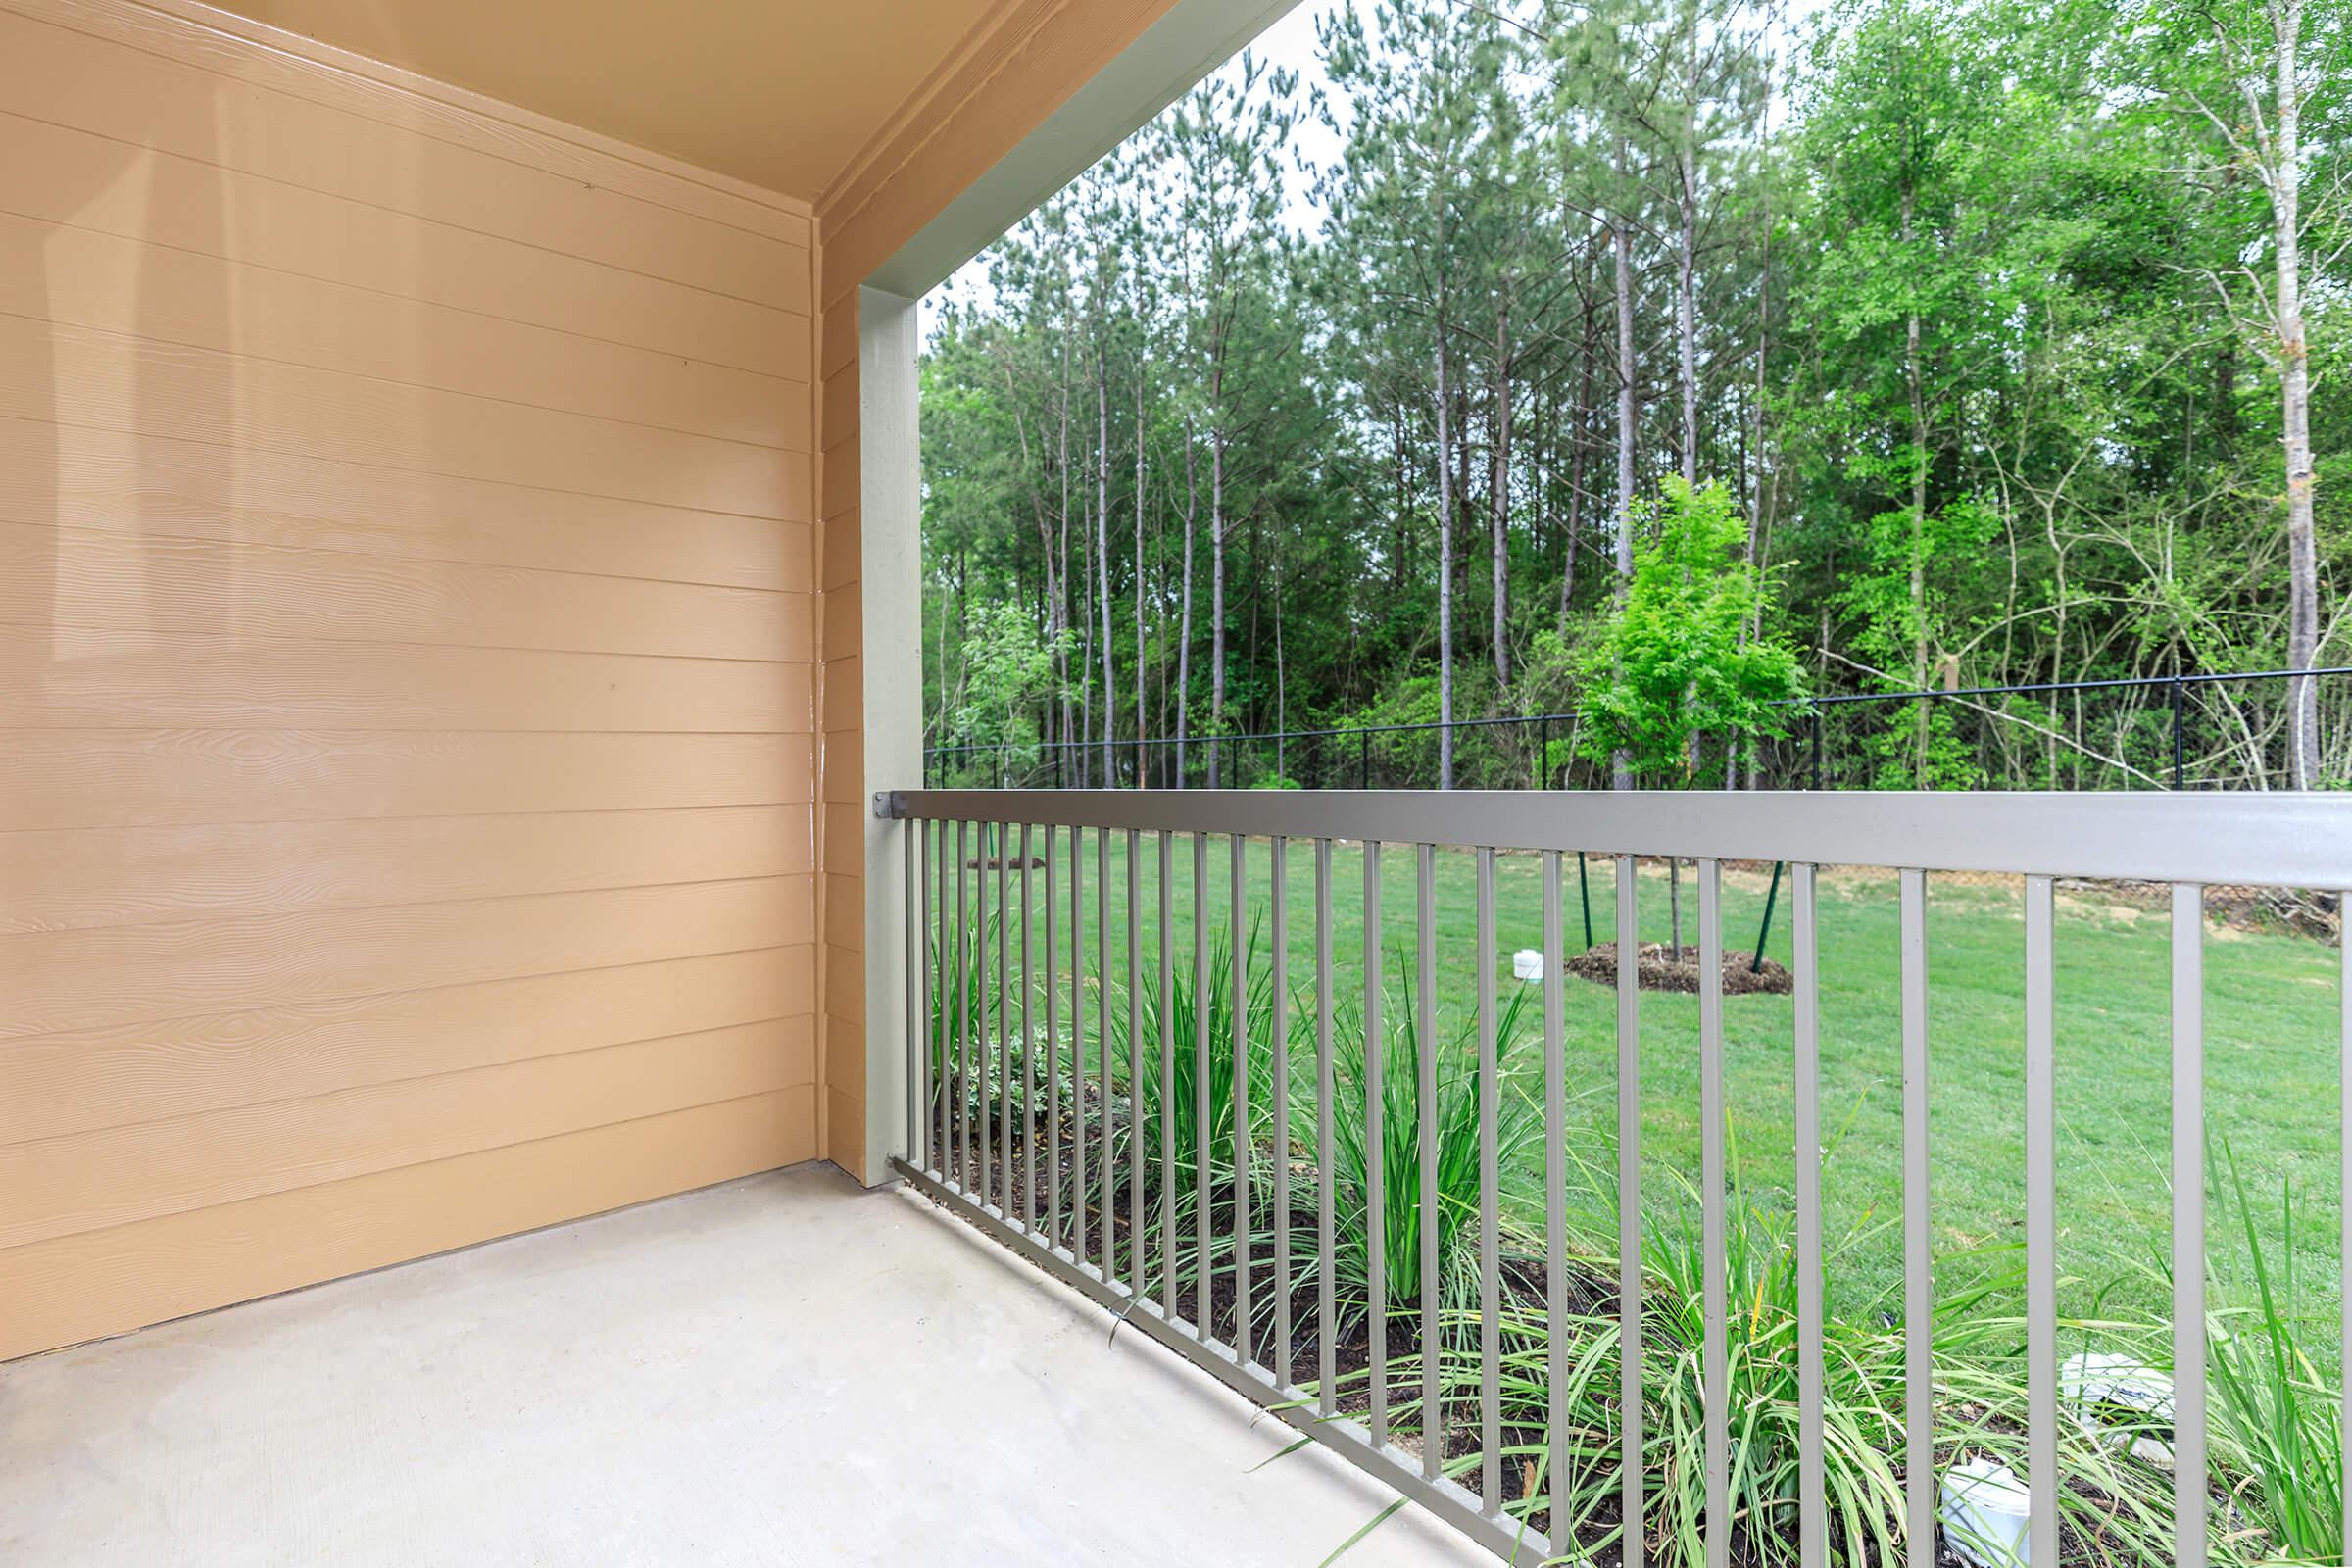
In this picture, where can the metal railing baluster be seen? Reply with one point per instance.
(1629, 1206)
(1110, 1119)
(1052, 984)
(1279, 1104)
(1167, 1074)
(1078, 1194)
(1376, 1156)
(1242, 1226)
(981, 1014)
(1812, 1482)
(1556, 1425)
(916, 1026)
(1918, 1263)
(1004, 1184)
(1425, 1095)
(1135, 1063)
(1716, 1350)
(920, 953)
(1203, 1132)
(962, 1127)
(1490, 1330)
(2190, 1497)
(1028, 1056)
(942, 1075)
(1326, 1313)
(2041, 1228)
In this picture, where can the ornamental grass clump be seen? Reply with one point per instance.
(1452, 1229)
(2277, 1424)
(1569, 1482)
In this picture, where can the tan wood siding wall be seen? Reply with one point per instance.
(410, 633)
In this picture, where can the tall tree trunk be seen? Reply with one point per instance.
(1621, 244)
(1686, 283)
(1111, 679)
(1216, 597)
(1061, 597)
(1445, 409)
(1685, 361)
(1578, 420)
(1282, 720)
(1913, 378)
(1081, 606)
(1142, 710)
(1755, 522)
(2294, 390)
(1399, 552)
(1498, 500)
(1184, 640)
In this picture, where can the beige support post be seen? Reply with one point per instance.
(891, 667)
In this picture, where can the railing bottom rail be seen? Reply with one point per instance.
(1385, 1463)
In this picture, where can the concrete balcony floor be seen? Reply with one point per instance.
(782, 1370)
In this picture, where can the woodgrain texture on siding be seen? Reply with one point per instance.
(409, 640)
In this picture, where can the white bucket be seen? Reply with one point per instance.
(1985, 1511)
(1527, 965)
(2115, 1400)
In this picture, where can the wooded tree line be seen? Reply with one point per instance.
(2012, 331)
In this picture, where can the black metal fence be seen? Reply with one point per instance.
(2217, 731)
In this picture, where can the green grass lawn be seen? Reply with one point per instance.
(2272, 1053)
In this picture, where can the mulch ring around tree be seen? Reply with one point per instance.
(1740, 975)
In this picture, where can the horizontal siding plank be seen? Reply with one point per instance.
(70, 678)
(119, 580)
(107, 382)
(303, 66)
(114, 1075)
(70, 79)
(130, 876)
(94, 182)
(161, 487)
(106, 1281)
(159, 776)
(91, 1181)
(109, 283)
(78, 979)
(845, 1132)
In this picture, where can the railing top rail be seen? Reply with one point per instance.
(2272, 840)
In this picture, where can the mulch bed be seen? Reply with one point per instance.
(1741, 976)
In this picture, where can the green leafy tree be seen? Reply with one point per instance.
(1008, 672)
(1672, 669)
(1980, 310)
(1677, 665)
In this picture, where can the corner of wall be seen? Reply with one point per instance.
(840, 725)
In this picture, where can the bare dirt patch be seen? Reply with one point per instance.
(1656, 971)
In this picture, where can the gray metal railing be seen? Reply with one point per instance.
(1263, 1315)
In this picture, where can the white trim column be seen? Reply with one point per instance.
(891, 661)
